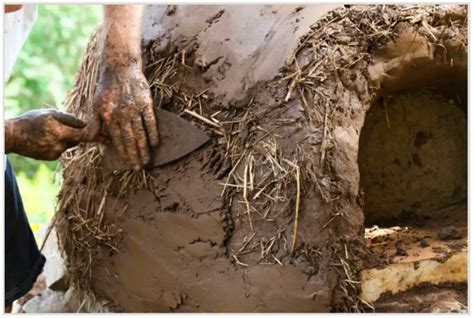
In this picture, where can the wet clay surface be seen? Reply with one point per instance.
(175, 238)
(178, 232)
(237, 46)
(265, 217)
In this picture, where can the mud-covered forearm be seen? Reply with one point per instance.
(122, 99)
(121, 36)
(10, 138)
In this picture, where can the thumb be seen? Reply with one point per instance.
(68, 119)
(93, 127)
(73, 136)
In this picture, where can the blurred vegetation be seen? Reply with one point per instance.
(43, 74)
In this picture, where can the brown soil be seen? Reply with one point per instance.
(267, 216)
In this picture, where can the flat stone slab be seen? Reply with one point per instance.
(432, 254)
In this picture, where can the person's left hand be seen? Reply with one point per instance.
(43, 134)
(123, 102)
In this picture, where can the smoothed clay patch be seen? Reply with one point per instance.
(176, 259)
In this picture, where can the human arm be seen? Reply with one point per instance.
(12, 7)
(123, 100)
(43, 134)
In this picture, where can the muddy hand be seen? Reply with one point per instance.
(43, 134)
(125, 106)
(95, 131)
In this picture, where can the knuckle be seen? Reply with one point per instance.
(150, 120)
(116, 117)
(98, 101)
(148, 99)
(145, 154)
(142, 142)
(124, 112)
(128, 142)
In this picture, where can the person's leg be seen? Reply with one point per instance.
(23, 260)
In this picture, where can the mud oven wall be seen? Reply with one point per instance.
(178, 249)
(413, 145)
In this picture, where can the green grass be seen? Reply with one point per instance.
(39, 195)
(43, 74)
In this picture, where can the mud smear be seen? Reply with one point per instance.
(267, 216)
(173, 257)
(234, 45)
(180, 245)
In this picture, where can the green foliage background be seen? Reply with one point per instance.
(43, 74)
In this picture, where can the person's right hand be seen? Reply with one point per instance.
(123, 104)
(43, 134)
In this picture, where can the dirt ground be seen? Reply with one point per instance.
(269, 215)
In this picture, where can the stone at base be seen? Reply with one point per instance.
(54, 270)
(48, 302)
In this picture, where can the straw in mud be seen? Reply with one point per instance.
(269, 184)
